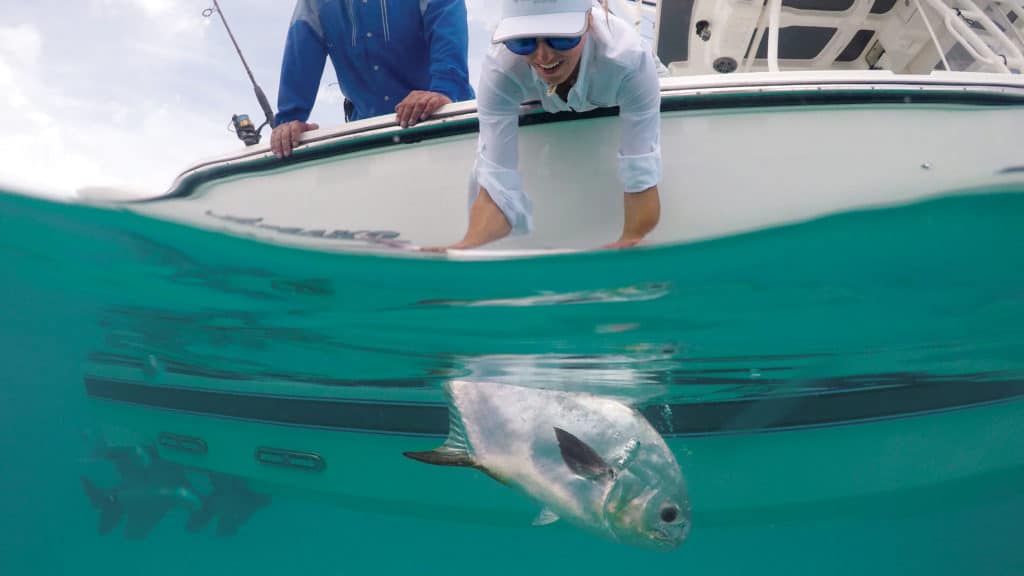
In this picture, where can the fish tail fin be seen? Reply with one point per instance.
(455, 450)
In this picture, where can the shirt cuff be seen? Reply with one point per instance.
(290, 116)
(638, 173)
(448, 87)
(506, 190)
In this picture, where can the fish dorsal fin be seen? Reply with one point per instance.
(546, 516)
(455, 450)
(581, 458)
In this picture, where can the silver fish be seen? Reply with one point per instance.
(592, 460)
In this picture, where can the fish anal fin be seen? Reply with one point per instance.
(444, 456)
(546, 516)
(583, 460)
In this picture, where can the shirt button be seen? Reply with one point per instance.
(386, 98)
(369, 34)
(375, 67)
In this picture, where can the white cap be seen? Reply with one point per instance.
(542, 18)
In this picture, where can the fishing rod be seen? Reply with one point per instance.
(242, 125)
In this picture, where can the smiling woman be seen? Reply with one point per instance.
(551, 51)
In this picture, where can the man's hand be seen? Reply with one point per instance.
(418, 106)
(642, 212)
(287, 136)
(487, 223)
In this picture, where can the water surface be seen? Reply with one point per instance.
(844, 395)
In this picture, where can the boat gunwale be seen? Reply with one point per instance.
(678, 94)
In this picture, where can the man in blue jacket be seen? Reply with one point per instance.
(402, 56)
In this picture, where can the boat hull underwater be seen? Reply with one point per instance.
(747, 460)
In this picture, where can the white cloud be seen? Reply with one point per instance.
(329, 95)
(154, 7)
(162, 18)
(31, 140)
(15, 99)
(36, 154)
(6, 74)
(64, 134)
(483, 11)
(19, 51)
(129, 93)
(20, 45)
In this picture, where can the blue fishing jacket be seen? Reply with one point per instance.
(380, 49)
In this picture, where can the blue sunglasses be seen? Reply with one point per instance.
(527, 46)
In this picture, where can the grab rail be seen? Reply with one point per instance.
(931, 32)
(956, 20)
(985, 32)
(774, 12)
(1006, 24)
(751, 54)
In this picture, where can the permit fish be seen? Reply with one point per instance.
(592, 460)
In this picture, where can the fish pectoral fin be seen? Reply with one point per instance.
(583, 460)
(546, 516)
(444, 456)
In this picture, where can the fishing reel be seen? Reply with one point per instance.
(241, 125)
(245, 129)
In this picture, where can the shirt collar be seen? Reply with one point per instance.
(585, 58)
(581, 78)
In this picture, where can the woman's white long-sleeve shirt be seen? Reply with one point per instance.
(617, 68)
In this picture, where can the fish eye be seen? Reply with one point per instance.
(669, 514)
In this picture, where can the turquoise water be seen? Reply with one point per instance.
(844, 396)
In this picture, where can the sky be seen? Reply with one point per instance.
(129, 93)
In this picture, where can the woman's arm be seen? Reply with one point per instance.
(642, 211)
(499, 206)
(640, 151)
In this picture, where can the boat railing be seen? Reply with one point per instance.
(774, 17)
(963, 18)
(910, 36)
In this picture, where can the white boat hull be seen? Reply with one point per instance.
(736, 158)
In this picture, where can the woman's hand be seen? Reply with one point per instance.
(487, 223)
(642, 211)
